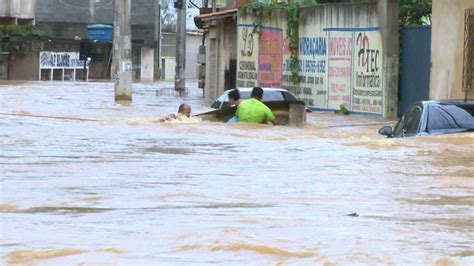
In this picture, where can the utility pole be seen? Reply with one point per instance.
(180, 81)
(158, 39)
(91, 11)
(122, 51)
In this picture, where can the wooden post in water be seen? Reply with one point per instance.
(122, 51)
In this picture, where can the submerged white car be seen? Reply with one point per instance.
(287, 108)
(269, 95)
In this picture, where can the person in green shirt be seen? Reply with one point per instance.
(253, 110)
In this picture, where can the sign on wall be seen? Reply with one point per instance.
(313, 62)
(339, 69)
(270, 57)
(247, 49)
(336, 66)
(60, 60)
(367, 95)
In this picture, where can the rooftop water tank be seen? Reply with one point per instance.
(100, 32)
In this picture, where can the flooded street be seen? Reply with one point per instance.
(126, 189)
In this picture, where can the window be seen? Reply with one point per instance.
(409, 124)
(272, 96)
(446, 118)
(289, 96)
(468, 67)
(221, 100)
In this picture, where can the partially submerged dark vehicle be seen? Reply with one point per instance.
(433, 118)
(286, 107)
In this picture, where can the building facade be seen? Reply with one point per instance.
(347, 55)
(13, 12)
(66, 21)
(452, 50)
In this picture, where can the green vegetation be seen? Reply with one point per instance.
(412, 12)
(292, 9)
(21, 30)
(415, 12)
(342, 110)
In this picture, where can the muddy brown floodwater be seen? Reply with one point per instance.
(128, 190)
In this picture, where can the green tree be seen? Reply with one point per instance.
(412, 12)
(415, 12)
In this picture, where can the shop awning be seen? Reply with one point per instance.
(201, 20)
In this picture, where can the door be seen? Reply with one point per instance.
(415, 66)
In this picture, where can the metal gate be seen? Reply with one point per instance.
(415, 65)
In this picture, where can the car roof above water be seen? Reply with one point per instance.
(453, 102)
(264, 88)
(467, 105)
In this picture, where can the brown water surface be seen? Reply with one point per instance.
(126, 189)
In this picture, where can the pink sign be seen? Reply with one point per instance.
(340, 69)
(270, 58)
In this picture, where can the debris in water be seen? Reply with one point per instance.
(354, 214)
(342, 111)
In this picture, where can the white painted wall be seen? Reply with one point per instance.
(340, 56)
(447, 49)
(169, 68)
(147, 67)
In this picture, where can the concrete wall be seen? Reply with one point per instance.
(341, 56)
(18, 9)
(447, 49)
(168, 44)
(221, 48)
(193, 41)
(23, 64)
(169, 68)
(212, 63)
(168, 51)
(146, 68)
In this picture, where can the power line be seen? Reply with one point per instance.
(193, 4)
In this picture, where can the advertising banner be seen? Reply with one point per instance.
(313, 56)
(368, 94)
(59, 60)
(247, 49)
(339, 69)
(270, 57)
